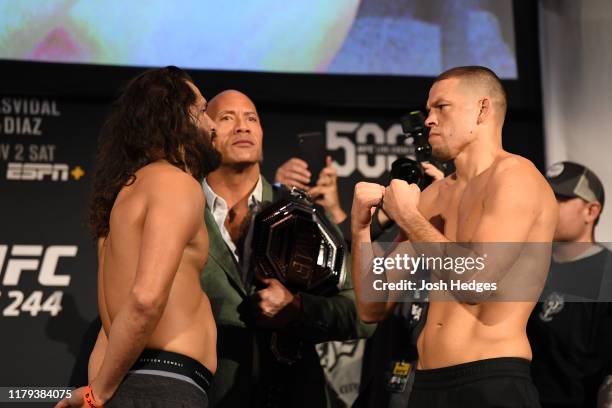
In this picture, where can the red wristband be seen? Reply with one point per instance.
(89, 399)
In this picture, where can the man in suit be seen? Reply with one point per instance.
(249, 371)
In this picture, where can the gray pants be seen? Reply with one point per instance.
(155, 391)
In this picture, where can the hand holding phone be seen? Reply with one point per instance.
(311, 148)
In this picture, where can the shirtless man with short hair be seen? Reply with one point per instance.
(494, 196)
(157, 346)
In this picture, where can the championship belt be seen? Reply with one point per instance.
(294, 242)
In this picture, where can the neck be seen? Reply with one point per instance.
(566, 251)
(232, 183)
(478, 156)
(587, 236)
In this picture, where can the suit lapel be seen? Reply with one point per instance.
(267, 193)
(220, 253)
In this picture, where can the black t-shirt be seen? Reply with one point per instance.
(572, 341)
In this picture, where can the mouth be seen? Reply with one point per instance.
(243, 143)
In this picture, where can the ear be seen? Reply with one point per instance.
(593, 210)
(485, 110)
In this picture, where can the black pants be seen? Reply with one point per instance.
(155, 391)
(497, 382)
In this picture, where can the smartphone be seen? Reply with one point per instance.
(311, 148)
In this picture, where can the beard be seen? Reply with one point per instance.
(201, 156)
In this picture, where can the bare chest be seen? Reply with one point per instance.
(236, 220)
(459, 209)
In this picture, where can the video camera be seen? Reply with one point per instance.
(404, 168)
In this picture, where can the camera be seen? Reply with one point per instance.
(404, 168)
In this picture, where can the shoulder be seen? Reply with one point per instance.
(516, 185)
(518, 173)
(164, 185)
(514, 166)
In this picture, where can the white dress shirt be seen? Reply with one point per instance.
(218, 208)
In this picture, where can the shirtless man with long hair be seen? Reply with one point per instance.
(471, 354)
(157, 346)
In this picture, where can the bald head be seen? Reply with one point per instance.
(238, 129)
(482, 82)
(228, 98)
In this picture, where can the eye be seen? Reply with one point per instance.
(252, 119)
(226, 117)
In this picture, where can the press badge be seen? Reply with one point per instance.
(400, 370)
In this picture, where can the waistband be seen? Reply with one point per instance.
(175, 365)
(473, 371)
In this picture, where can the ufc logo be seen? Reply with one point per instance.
(30, 258)
(37, 171)
(385, 148)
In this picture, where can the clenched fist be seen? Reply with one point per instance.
(401, 200)
(365, 199)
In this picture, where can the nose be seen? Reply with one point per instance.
(209, 123)
(431, 120)
(241, 126)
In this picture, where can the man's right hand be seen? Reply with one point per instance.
(75, 400)
(293, 173)
(365, 199)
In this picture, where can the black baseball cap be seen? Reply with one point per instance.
(569, 179)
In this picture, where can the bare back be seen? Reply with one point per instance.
(457, 332)
(187, 325)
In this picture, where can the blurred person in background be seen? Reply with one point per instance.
(571, 337)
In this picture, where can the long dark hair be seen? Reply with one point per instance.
(149, 121)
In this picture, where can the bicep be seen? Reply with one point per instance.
(509, 213)
(428, 198)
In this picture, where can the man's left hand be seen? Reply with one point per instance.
(401, 200)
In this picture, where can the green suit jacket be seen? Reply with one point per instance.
(244, 360)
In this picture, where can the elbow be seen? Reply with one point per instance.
(147, 305)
